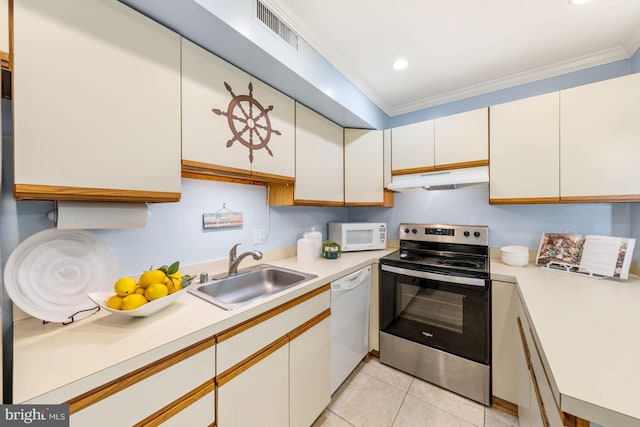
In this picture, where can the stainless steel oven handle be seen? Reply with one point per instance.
(434, 276)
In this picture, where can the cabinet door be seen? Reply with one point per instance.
(363, 167)
(524, 151)
(4, 33)
(310, 373)
(319, 160)
(505, 341)
(275, 128)
(96, 103)
(462, 140)
(208, 139)
(153, 397)
(259, 394)
(412, 148)
(599, 147)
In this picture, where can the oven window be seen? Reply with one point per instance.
(451, 317)
(433, 307)
(359, 237)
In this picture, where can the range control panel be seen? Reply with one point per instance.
(465, 234)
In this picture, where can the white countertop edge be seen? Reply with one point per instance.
(597, 414)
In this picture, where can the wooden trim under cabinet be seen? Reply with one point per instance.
(524, 201)
(250, 323)
(102, 392)
(54, 192)
(163, 414)
(201, 170)
(461, 165)
(218, 178)
(409, 171)
(303, 202)
(622, 198)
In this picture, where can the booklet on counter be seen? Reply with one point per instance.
(596, 255)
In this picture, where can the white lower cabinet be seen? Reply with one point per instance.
(274, 369)
(541, 408)
(505, 341)
(309, 378)
(178, 387)
(258, 396)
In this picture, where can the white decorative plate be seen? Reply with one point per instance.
(50, 273)
(145, 310)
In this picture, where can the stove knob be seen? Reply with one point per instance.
(476, 234)
(406, 230)
(466, 234)
(414, 231)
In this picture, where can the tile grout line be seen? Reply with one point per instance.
(402, 403)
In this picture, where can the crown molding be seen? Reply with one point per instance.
(602, 57)
(580, 63)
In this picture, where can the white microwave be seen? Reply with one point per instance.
(358, 236)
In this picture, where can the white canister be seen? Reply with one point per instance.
(316, 237)
(305, 250)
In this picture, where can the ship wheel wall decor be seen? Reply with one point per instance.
(248, 121)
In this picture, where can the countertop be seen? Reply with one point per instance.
(589, 331)
(53, 363)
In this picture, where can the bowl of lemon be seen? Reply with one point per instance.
(154, 290)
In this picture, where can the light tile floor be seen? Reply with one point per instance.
(376, 395)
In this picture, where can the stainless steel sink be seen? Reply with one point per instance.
(248, 286)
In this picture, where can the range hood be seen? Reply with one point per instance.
(441, 180)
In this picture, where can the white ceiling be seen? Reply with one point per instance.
(459, 48)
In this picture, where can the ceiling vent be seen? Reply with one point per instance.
(275, 24)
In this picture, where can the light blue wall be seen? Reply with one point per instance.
(508, 224)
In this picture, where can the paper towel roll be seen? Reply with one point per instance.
(95, 215)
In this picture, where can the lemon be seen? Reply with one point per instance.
(155, 291)
(114, 302)
(175, 284)
(133, 301)
(125, 286)
(151, 276)
(139, 290)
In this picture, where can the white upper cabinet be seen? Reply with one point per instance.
(363, 167)
(600, 141)
(524, 151)
(274, 133)
(96, 100)
(412, 148)
(462, 140)
(209, 85)
(232, 123)
(4, 33)
(319, 160)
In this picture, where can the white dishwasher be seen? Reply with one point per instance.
(349, 324)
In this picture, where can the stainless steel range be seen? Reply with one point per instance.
(435, 307)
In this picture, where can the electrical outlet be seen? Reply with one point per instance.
(259, 236)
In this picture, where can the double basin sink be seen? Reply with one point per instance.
(248, 286)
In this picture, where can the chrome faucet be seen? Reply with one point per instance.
(234, 259)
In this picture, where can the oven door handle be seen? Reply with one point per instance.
(434, 276)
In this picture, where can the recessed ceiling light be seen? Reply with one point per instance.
(577, 2)
(400, 64)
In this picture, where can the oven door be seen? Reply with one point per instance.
(449, 313)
